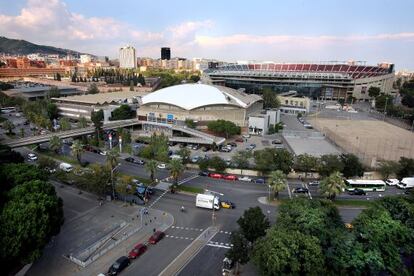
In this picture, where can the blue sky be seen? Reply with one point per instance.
(294, 30)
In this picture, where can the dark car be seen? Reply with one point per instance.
(233, 144)
(139, 162)
(276, 141)
(300, 190)
(259, 181)
(130, 159)
(203, 173)
(119, 265)
(138, 250)
(156, 237)
(357, 192)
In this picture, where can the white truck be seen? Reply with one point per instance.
(207, 201)
(406, 183)
(65, 167)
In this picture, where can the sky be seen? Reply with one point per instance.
(229, 30)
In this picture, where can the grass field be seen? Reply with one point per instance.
(189, 189)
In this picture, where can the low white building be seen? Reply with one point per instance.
(259, 123)
(292, 105)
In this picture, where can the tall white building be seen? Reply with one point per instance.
(85, 58)
(127, 57)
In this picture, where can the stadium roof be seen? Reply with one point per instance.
(101, 98)
(191, 96)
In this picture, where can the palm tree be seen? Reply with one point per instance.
(332, 185)
(176, 169)
(77, 150)
(55, 144)
(112, 158)
(82, 122)
(151, 167)
(277, 182)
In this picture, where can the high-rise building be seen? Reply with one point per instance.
(165, 53)
(127, 57)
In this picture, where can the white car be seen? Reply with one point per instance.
(392, 182)
(32, 157)
(161, 166)
(245, 178)
(102, 152)
(246, 136)
(313, 183)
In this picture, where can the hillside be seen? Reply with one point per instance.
(23, 47)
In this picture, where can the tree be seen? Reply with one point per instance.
(9, 126)
(383, 100)
(93, 89)
(352, 165)
(30, 217)
(195, 78)
(141, 79)
(151, 167)
(253, 224)
(53, 92)
(55, 144)
(306, 163)
(190, 123)
(388, 168)
(15, 174)
(124, 185)
(277, 182)
(203, 164)
(374, 92)
(218, 164)
(239, 252)
(408, 100)
(241, 159)
(98, 179)
(65, 124)
(270, 99)
(77, 150)
(332, 185)
(82, 123)
(7, 155)
(123, 112)
(176, 169)
(284, 252)
(406, 167)
(112, 158)
(131, 85)
(52, 111)
(58, 77)
(185, 154)
(46, 163)
(330, 163)
(97, 118)
(273, 159)
(223, 127)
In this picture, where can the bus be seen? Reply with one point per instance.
(366, 185)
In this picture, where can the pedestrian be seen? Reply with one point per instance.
(153, 230)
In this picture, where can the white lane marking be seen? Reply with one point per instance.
(219, 246)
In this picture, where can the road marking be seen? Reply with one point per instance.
(188, 179)
(219, 246)
(309, 193)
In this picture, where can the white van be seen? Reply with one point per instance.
(65, 167)
(207, 201)
(406, 183)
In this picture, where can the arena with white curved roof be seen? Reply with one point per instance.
(199, 102)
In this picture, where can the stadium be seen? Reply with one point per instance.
(329, 80)
(198, 102)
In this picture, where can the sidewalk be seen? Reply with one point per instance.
(190, 252)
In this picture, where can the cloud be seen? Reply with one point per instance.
(222, 41)
(188, 29)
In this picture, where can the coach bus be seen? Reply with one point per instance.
(366, 185)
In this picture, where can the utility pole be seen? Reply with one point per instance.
(112, 179)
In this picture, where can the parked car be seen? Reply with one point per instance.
(195, 159)
(119, 265)
(196, 147)
(259, 180)
(156, 237)
(130, 159)
(279, 146)
(300, 190)
(32, 157)
(276, 141)
(102, 152)
(233, 144)
(138, 250)
(357, 192)
(239, 140)
(313, 183)
(161, 166)
(392, 182)
(227, 204)
(230, 177)
(203, 173)
(245, 178)
(246, 136)
(139, 162)
(205, 149)
(215, 175)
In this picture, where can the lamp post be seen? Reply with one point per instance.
(112, 179)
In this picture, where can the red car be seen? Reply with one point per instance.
(239, 140)
(230, 177)
(216, 175)
(138, 250)
(156, 237)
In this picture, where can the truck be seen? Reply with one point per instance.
(406, 183)
(65, 167)
(208, 201)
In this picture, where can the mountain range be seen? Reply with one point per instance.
(23, 47)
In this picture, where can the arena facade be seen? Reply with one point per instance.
(328, 80)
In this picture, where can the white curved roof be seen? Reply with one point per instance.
(190, 96)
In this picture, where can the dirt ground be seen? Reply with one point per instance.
(370, 140)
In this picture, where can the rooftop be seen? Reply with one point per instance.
(102, 98)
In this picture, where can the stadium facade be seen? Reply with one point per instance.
(328, 80)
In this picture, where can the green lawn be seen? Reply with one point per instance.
(190, 189)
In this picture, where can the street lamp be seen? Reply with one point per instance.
(112, 179)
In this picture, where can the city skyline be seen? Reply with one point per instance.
(281, 32)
